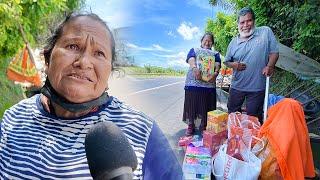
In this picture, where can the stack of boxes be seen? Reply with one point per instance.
(216, 132)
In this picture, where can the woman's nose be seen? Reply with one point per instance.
(84, 61)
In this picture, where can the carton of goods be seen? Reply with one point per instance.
(213, 141)
(217, 116)
(197, 163)
(217, 121)
(206, 66)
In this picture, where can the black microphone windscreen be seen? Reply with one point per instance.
(107, 149)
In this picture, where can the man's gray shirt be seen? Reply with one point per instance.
(254, 52)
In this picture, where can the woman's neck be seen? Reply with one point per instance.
(59, 111)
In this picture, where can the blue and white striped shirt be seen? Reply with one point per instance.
(37, 145)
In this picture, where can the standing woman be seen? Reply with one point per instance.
(200, 95)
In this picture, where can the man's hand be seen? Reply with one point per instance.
(238, 66)
(268, 70)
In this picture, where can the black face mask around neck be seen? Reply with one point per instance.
(53, 96)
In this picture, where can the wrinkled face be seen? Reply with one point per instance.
(246, 25)
(206, 42)
(80, 63)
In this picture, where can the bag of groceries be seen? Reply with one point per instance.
(242, 127)
(227, 167)
(269, 168)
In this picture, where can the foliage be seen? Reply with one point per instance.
(224, 28)
(295, 23)
(36, 17)
(148, 70)
(10, 93)
(222, 3)
(32, 15)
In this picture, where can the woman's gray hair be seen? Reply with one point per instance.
(245, 11)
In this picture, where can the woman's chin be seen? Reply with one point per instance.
(79, 97)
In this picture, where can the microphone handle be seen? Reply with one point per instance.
(123, 177)
(122, 173)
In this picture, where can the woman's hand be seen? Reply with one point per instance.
(214, 77)
(196, 73)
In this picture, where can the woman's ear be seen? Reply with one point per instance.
(46, 66)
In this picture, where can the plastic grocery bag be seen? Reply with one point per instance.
(244, 128)
(269, 166)
(227, 167)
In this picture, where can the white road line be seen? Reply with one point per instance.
(150, 89)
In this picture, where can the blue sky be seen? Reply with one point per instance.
(158, 32)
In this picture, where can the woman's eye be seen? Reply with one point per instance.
(73, 47)
(100, 53)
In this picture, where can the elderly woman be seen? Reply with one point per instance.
(200, 95)
(43, 137)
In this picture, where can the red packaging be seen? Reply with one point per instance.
(213, 140)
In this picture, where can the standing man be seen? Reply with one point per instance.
(252, 55)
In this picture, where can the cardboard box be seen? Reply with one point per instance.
(197, 163)
(213, 141)
(217, 121)
(217, 116)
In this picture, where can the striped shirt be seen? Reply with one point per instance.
(37, 145)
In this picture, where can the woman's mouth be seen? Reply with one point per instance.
(80, 76)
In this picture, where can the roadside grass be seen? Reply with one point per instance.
(10, 93)
(152, 71)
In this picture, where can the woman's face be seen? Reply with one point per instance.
(206, 42)
(80, 63)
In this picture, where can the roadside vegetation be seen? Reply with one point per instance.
(293, 22)
(151, 71)
(36, 19)
(10, 93)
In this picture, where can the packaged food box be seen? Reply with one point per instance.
(217, 116)
(197, 163)
(213, 141)
(217, 121)
(206, 66)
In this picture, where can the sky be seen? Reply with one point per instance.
(157, 32)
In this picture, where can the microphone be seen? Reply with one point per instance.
(109, 153)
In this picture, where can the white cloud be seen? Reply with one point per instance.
(133, 46)
(187, 31)
(170, 33)
(174, 60)
(154, 47)
(115, 13)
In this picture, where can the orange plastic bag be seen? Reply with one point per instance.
(287, 134)
(21, 69)
(244, 126)
(269, 168)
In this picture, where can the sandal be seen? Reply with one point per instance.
(190, 130)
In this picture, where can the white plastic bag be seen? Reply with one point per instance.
(228, 167)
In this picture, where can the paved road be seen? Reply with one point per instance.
(160, 98)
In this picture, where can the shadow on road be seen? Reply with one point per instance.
(173, 140)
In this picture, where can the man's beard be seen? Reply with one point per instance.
(246, 34)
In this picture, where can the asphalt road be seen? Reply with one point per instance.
(160, 98)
